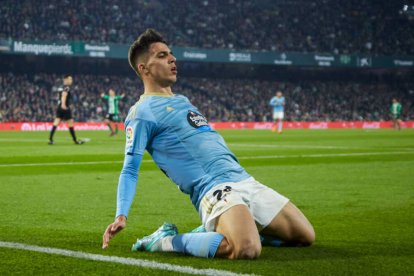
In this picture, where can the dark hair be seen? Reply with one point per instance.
(67, 76)
(141, 46)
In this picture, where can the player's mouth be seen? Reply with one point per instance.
(174, 70)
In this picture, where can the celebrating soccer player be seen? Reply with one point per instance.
(396, 114)
(278, 104)
(237, 212)
(64, 113)
(113, 116)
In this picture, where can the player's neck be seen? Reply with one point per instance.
(153, 88)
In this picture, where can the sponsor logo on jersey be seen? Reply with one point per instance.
(129, 135)
(197, 120)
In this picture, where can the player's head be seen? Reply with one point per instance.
(394, 100)
(279, 94)
(111, 92)
(67, 80)
(152, 60)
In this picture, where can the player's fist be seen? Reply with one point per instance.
(112, 230)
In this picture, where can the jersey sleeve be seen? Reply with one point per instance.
(272, 101)
(138, 136)
(105, 97)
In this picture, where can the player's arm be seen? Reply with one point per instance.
(138, 134)
(63, 100)
(272, 102)
(126, 191)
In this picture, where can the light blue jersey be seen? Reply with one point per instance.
(182, 144)
(278, 104)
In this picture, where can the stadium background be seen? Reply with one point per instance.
(232, 57)
(339, 63)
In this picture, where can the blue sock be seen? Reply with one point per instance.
(197, 244)
(270, 241)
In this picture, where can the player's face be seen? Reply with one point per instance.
(161, 65)
(68, 81)
(111, 92)
(279, 94)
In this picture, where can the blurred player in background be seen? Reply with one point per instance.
(112, 118)
(278, 104)
(234, 208)
(64, 113)
(396, 113)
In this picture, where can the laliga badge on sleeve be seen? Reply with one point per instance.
(129, 135)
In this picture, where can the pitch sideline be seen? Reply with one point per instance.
(119, 260)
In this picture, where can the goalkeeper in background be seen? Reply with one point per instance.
(396, 114)
(112, 118)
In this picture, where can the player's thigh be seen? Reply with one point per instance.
(241, 235)
(291, 225)
(56, 122)
(70, 122)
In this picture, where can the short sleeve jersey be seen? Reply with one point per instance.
(61, 89)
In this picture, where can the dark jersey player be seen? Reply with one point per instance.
(64, 113)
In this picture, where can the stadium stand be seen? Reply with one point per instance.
(324, 26)
(219, 99)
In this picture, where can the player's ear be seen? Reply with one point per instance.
(142, 69)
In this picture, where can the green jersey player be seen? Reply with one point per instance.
(112, 117)
(396, 114)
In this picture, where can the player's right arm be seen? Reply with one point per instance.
(138, 134)
(272, 101)
(63, 100)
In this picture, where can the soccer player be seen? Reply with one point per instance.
(396, 114)
(112, 117)
(278, 104)
(233, 206)
(64, 112)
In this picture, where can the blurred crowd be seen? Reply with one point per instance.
(34, 98)
(324, 26)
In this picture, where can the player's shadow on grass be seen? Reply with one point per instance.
(351, 251)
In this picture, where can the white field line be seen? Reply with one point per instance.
(119, 260)
(324, 155)
(240, 158)
(286, 146)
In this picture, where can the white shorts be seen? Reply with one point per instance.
(278, 115)
(264, 203)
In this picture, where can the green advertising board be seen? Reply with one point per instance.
(120, 51)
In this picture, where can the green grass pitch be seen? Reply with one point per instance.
(355, 186)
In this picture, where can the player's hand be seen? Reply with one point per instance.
(112, 230)
(64, 107)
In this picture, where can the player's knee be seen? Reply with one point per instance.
(248, 249)
(308, 236)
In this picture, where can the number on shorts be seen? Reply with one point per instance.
(219, 193)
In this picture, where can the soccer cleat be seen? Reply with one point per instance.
(152, 242)
(79, 142)
(51, 142)
(199, 229)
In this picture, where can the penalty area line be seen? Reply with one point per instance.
(119, 260)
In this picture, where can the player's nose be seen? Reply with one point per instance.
(172, 59)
